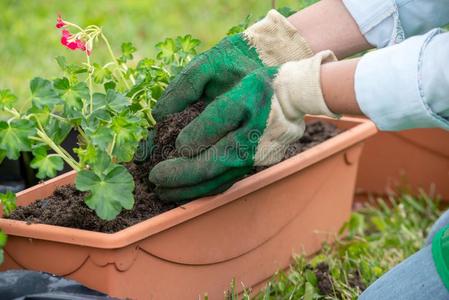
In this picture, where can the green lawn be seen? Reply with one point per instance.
(30, 40)
(379, 236)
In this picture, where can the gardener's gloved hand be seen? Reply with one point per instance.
(250, 125)
(270, 42)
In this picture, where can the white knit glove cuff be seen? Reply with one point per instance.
(297, 92)
(276, 40)
(298, 87)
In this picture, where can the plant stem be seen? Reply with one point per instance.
(59, 118)
(14, 112)
(147, 112)
(111, 53)
(67, 154)
(68, 159)
(89, 78)
(74, 25)
(151, 118)
(111, 148)
(131, 77)
(82, 133)
(47, 140)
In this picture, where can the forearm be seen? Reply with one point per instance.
(337, 85)
(328, 25)
(350, 26)
(400, 87)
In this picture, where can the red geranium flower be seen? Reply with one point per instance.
(60, 22)
(69, 41)
(73, 44)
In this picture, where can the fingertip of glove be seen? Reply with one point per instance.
(164, 173)
(157, 112)
(165, 196)
(184, 145)
(155, 175)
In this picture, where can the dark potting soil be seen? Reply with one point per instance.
(66, 206)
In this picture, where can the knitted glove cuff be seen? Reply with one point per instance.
(298, 87)
(276, 40)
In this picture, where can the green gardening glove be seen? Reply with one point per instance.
(270, 42)
(250, 125)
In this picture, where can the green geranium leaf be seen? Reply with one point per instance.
(7, 99)
(42, 114)
(86, 155)
(70, 69)
(240, 27)
(101, 74)
(62, 62)
(137, 89)
(112, 101)
(128, 50)
(57, 130)
(101, 114)
(99, 101)
(188, 44)
(125, 147)
(129, 132)
(116, 101)
(14, 137)
(47, 165)
(146, 70)
(102, 137)
(8, 202)
(102, 164)
(167, 49)
(110, 192)
(43, 93)
(110, 85)
(72, 95)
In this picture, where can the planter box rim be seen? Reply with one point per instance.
(362, 130)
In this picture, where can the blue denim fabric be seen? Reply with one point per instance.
(416, 278)
(388, 22)
(442, 222)
(406, 85)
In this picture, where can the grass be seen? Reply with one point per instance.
(377, 238)
(30, 40)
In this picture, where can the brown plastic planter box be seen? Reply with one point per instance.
(248, 233)
(409, 160)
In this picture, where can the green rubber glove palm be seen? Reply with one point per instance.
(250, 125)
(271, 41)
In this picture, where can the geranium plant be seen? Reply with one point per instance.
(109, 106)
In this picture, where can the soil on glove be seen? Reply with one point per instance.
(66, 206)
(168, 130)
